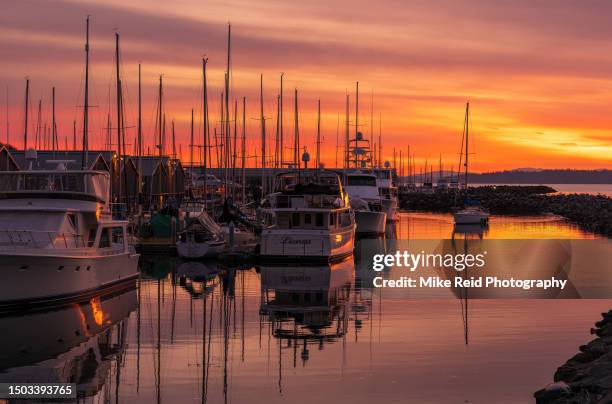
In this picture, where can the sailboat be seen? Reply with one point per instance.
(473, 212)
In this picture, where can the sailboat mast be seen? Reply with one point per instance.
(263, 138)
(205, 128)
(356, 110)
(280, 113)
(227, 114)
(318, 158)
(296, 141)
(346, 135)
(243, 180)
(25, 125)
(118, 82)
(38, 123)
(53, 124)
(139, 151)
(86, 103)
(191, 146)
(467, 134)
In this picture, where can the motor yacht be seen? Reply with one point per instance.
(308, 218)
(58, 240)
(362, 190)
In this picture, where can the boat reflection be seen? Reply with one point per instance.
(307, 304)
(77, 343)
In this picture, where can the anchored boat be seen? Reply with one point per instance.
(363, 194)
(308, 218)
(58, 240)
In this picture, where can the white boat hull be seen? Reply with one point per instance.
(30, 279)
(307, 245)
(368, 222)
(192, 250)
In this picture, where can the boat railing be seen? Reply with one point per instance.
(52, 240)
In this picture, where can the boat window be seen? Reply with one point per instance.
(282, 220)
(92, 237)
(307, 218)
(319, 220)
(117, 233)
(104, 239)
(295, 219)
(363, 180)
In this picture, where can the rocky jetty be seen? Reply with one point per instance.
(587, 377)
(591, 212)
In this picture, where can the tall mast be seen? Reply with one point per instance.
(206, 134)
(139, 150)
(191, 146)
(227, 114)
(86, 103)
(25, 125)
(38, 125)
(337, 140)
(7, 116)
(372, 124)
(243, 180)
(173, 142)
(53, 124)
(263, 138)
(119, 112)
(467, 142)
(277, 140)
(346, 135)
(74, 134)
(280, 113)
(318, 157)
(234, 150)
(380, 145)
(160, 129)
(296, 134)
(356, 110)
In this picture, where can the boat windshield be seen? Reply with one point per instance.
(94, 184)
(361, 180)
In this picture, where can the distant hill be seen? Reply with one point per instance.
(535, 176)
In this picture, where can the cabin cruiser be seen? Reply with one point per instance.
(58, 240)
(365, 201)
(308, 218)
(387, 191)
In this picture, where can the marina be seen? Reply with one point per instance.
(272, 203)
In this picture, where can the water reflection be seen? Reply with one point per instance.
(81, 343)
(202, 332)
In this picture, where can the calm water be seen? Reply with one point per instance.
(198, 332)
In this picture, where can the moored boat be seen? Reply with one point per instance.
(308, 218)
(58, 240)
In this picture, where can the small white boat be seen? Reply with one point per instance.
(472, 215)
(58, 240)
(309, 218)
(201, 238)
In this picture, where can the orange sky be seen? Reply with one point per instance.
(538, 76)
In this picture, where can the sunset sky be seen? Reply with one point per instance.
(538, 75)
